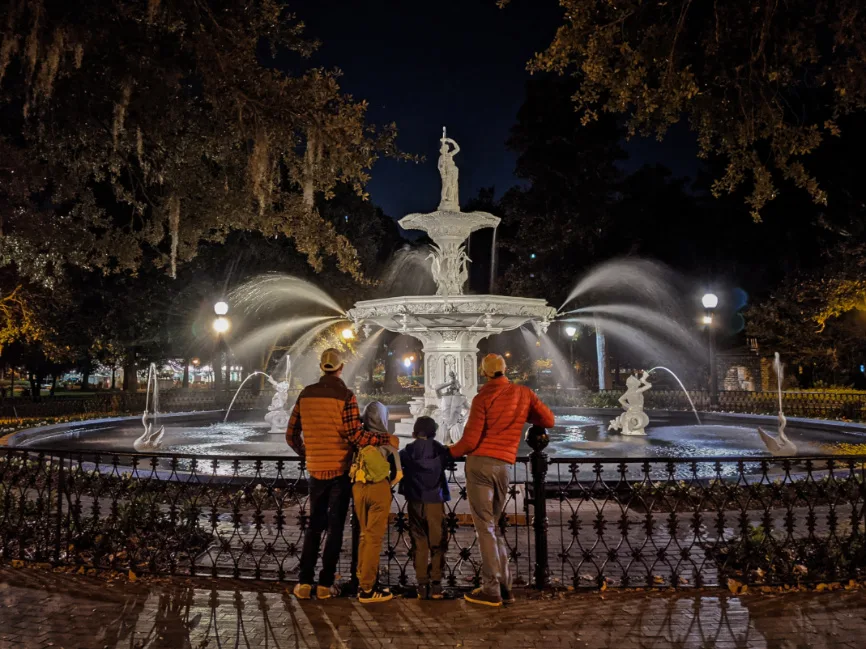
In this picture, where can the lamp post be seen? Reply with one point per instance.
(570, 330)
(221, 325)
(710, 301)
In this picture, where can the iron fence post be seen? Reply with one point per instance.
(538, 439)
(59, 524)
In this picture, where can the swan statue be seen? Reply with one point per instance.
(780, 445)
(150, 440)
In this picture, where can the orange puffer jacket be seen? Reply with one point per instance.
(499, 411)
(321, 408)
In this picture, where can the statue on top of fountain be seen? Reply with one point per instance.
(450, 201)
(634, 420)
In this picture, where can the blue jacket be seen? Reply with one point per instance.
(424, 462)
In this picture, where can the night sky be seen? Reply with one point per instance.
(457, 63)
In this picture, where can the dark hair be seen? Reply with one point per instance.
(496, 375)
(425, 428)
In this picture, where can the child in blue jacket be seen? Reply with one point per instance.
(425, 488)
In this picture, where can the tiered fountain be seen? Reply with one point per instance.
(449, 324)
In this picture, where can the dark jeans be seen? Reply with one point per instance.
(329, 504)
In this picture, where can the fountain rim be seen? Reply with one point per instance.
(455, 299)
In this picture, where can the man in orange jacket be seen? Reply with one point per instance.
(324, 428)
(490, 441)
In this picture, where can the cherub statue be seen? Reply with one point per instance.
(634, 420)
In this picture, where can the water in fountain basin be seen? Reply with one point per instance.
(685, 392)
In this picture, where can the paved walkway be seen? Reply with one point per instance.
(41, 609)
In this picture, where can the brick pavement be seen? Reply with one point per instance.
(42, 609)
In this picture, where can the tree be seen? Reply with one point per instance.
(571, 177)
(762, 84)
(796, 322)
(136, 131)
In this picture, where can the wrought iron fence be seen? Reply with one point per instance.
(125, 402)
(827, 405)
(579, 522)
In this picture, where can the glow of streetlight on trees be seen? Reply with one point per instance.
(221, 308)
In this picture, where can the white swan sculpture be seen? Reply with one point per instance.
(778, 445)
(150, 440)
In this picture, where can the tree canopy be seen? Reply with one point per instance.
(762, 84)
(132, 132)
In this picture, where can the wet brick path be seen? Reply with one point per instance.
(41, 609)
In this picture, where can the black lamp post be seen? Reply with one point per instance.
(221, 325)
(710, 302)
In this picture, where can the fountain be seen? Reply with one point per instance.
(780, 445)
(150, 440)
(277, 415)
(449, 324)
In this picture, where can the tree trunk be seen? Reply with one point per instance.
(54, 384)
(35, 385)
(113, 383)
(85, 379)
(130, 375)
(185, 383)
(217, 372)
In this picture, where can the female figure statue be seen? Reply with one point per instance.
(448, 170)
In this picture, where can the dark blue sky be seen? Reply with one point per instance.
(458, 63)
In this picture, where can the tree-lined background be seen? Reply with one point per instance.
(155, 154)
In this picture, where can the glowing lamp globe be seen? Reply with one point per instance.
(570, 331)
(221, 308)
(221, 325)
(347, 334)
(710, 301)
(407, 362)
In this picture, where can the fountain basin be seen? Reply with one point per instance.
(579, 434)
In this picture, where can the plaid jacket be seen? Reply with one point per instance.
(325, 425)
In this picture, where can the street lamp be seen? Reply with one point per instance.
(710, 301)
(347, 334)
(570, 331)
(221, 325)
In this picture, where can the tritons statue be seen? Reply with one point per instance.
(634, 420)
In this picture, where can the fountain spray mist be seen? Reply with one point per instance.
(362, 354)
(685, 392)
